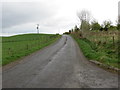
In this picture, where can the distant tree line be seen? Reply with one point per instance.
(86, 26)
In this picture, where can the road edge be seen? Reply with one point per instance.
(12, 64)
(98, 64)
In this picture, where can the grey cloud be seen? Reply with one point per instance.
(14, 13)
(57, 22)
(22, 17)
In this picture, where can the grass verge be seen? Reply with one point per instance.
(94, 52)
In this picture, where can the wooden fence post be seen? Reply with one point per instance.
(9, 51)
(113, 40)
(27, 47)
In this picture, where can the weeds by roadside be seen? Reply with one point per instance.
(104, 53)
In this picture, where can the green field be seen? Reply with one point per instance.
(100, 46)
(18, 46)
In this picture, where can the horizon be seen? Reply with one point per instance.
(59, 16)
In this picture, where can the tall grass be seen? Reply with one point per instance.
(101, 47)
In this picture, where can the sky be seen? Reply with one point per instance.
(53, 16)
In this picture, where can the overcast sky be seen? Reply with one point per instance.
(54, 16)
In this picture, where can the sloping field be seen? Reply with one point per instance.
(15, 47)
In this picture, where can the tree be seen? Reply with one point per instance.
(107, 24)
(70, 31)
(76, 29)
(84, 17)
(112, 27)
(118, 26)
(85, 26)
(95, 25)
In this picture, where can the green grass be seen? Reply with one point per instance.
(15, 47)
(104, 53)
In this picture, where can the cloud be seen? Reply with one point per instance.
(21, 16)
(15, 13)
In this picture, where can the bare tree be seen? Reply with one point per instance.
(107, 23)
(84, 17)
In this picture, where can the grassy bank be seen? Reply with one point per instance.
(18, 46)
(104, 52)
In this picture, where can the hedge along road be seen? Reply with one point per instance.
(61, 65)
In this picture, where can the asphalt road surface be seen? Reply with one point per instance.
(60, 65)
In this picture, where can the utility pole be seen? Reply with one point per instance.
(38, 28)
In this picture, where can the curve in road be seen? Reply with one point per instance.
(61, 65)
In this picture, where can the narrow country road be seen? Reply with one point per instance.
(60, 65)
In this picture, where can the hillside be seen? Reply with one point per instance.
(17, 46)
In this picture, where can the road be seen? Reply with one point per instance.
(60, 65)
